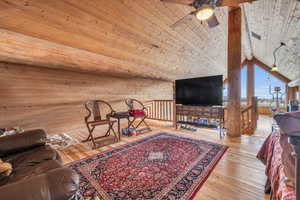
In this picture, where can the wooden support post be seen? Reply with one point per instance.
(250, 82)
(290, 94)
(234, 72)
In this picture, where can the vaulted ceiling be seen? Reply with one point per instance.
(276, 21)
(138, 33)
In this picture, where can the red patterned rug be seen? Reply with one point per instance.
(162, 166)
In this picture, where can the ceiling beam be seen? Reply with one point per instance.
(264, 67)
(269, 70)
(234, 3)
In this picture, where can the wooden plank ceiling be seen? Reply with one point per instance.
(139, 32)
(276, 21)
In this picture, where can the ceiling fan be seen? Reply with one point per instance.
(205, 9)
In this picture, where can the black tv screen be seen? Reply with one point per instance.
(206, 91)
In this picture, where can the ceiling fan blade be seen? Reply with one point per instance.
(182, 19)
(212, 21)
(233, 2)
(184, 2)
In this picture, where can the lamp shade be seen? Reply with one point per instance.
(205, 12)
(274, 68)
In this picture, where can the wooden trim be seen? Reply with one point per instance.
(250, 82)
(268, 69)
(234, 3)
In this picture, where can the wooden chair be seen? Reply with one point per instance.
(99, 113)
(134, 104)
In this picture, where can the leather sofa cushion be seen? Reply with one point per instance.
(56, 184)
(20, 142)
(26, 172)
(32, 162)
(34, 156)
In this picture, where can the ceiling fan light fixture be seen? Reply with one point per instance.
(205, 12)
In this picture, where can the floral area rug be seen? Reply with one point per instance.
(61, 141)
(162, 166)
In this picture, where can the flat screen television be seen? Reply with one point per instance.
(206, 91)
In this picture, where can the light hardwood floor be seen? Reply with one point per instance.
(238, 176)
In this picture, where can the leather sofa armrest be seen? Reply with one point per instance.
(57, 184)
(20, 142)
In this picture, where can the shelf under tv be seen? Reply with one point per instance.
(187, 114)
(197, 124)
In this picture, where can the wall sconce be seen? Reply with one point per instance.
(275, 67)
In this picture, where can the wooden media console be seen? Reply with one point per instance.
(192, 114)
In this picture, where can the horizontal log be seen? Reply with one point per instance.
(19, 48)
(36, 97)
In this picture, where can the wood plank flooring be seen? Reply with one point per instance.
(238, 176)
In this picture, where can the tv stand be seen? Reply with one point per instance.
(193, 115)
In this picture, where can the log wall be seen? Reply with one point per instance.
(34, 97)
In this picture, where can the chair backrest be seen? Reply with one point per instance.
(98, 110)
(134, 104)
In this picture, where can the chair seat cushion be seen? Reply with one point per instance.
(137, 113)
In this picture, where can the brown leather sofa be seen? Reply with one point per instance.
(38, 173)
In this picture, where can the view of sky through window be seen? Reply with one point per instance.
(263, 80)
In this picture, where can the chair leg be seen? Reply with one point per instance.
(93, 140)
(140, 122)
(111, 128)
(131, 123)
(90, 130)
(107, 132)
(143, 120)
(91, 137)
(94, 143)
